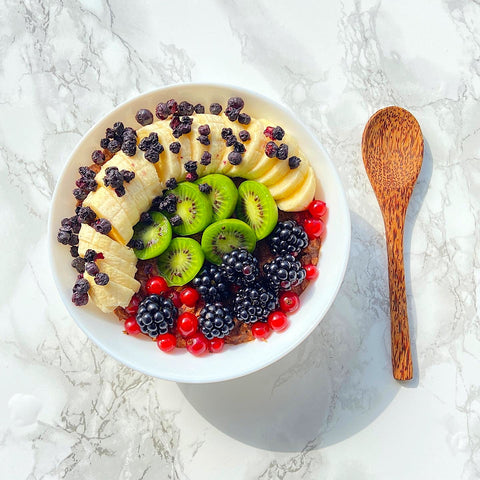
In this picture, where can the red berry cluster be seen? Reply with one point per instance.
(187, 322)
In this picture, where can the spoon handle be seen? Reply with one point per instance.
(401, 354)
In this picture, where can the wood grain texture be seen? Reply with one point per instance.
(392, 150)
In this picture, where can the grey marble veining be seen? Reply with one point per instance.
(329, 409)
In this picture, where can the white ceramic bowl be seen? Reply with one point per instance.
(236, 360)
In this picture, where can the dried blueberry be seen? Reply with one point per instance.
(191, 176)
(114, 146)
(232, 113)
(80, 194)
(172, 106)
(144, 116)
(187, 120)
(226, 132)
(203, 139)
(146, 218)
(215, 109)
(244, 135)
(79, 299)
(74, 251)
(98, 157)
(282, 152)
(129, 147)
(63, 236)
(199, 108)
(206, 158)
(204, 187)
(104, 142)
(118, 128)
(278, 133)
(293, 162)
(113, 177)
(162, 111)
(101, 279)
(91, 268)
(244, 119)
(120, 191)
(110, 133)
(175, 147)
(235, 158)
(204, 129)
(176, 220)
(81, 286)
(73, 240)
(236, 102)
(271, 149)
(230, 140)
(239, 147)
(185, 108)
(86, 215)
(147, 142)
(153, 153)
(86, 172)
(103, 226)
(129, 134)
(136, 243)
(191, 166)
(127, 175)
(171, 183)
(90, 255)
(78, 264)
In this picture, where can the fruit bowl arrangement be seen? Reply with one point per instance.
(200, 231)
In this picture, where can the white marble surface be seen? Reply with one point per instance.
(330, 409)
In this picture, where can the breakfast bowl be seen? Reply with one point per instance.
(140, 352)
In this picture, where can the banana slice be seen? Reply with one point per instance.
(302, 197)
(88, 237)
(110, 296)
(290, 182)
(103, 202)
(118, 276)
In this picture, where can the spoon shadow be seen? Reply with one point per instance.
(416, 202)
(331, 386)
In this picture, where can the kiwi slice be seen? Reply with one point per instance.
(257, 207)
(193, 207)
(224, 236)
(181, 261)
(223, 196)
(155, 236)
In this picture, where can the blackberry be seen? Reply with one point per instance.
(144, 117)
(284, 272)
(244, 135)
(156, 315)
(199, 108)
(215, 320)
(215, 109)
(98, 157)
(254, 303)
(288, 237)
(211, 284)
(240, 267)
(293, 162)
(175, 147)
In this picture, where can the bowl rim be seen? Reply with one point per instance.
(297, 341)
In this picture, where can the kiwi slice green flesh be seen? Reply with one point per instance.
(223, 196)
(224, 236)
(193, 207)
(181, 261)
(257, 207)
(155, 237)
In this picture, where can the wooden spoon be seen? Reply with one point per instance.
(392, 149)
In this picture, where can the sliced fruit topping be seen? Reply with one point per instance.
(257, 207)
(152, 237)
(223, 195)
(156, 315)
(224, 236)
(181, 261)
(193, 207)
